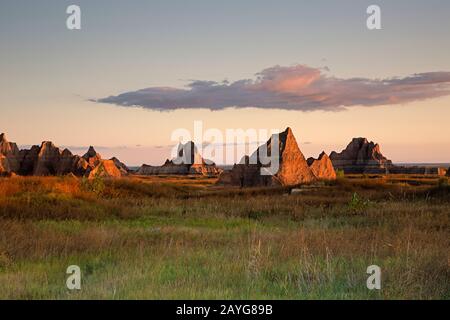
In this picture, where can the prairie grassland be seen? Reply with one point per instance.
(185, 238)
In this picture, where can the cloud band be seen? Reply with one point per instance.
(290, 88)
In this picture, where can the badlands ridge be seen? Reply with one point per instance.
(290, 167)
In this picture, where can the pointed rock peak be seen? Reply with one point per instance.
(285, 134)
(119, 163)
(322, 157)
(322, 168)
(359, 141)
(323, 154)
(362, 142)
(105, 169)
(288, 166)
(66, 152)
(47, 144)
(288, 130)
(361, 156)
(282, 137)
(3, 138)
(287, 141)
(91, 153)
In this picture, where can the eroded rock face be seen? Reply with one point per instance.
(47, 159)
(28, 161)
(70, 164)
(9, 151)
(322, 167)
(361, 156)
(95, 166)
(448, 172)
(204, 169)
(4, 166)
(246, 175)
(92, 157)
(105, 169)
(188, 161)
(166, 169)
(255, 170)
(121, 166)
(65, 164)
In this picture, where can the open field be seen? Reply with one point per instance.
(184, 237)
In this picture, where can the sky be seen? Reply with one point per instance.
(139, 70)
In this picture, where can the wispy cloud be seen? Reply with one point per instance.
(290, 88)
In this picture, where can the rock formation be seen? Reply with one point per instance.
(28, 159)
(167, 168)
(71, 164)
(361, 156)
(105, 169)
(47, 160)
(448, 172)
(256, 169)
(9, 156)
(92, 157)
(4, 166)
(322, 167)
(188, 161)
(364, 157)
(121, 166)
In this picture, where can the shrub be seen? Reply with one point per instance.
(357, 204)
(95, 185)
(443, 183)
(340, 173)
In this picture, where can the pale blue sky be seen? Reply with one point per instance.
(47, 72)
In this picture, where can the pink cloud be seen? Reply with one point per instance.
(290, 88)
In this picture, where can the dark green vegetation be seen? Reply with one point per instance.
(164, 238)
